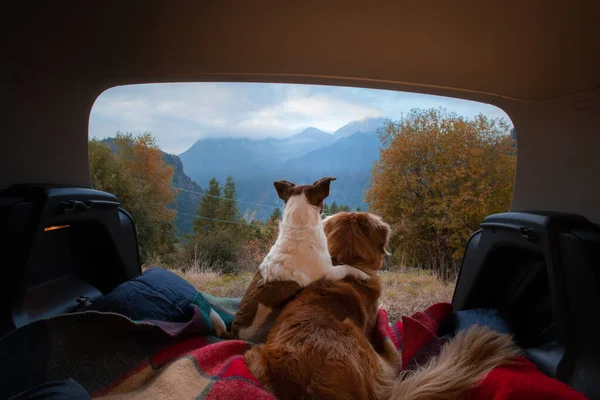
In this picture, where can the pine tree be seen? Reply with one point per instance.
(334, 209)
(326, 209)
(209, 207)
(275, 217)
(358, 209)
(344, 207)
(228, 209)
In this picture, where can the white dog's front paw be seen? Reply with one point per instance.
(342, 271)
(357, 273)
(363, 276)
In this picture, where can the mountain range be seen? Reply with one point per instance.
(188, 196)
(348, 154)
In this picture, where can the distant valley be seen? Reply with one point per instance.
(348, 154)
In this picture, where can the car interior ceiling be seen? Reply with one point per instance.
(535, 60)
(538, 264)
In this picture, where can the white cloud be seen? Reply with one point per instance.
(323, 111)
(180, 114)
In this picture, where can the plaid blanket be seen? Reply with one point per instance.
(111, 355)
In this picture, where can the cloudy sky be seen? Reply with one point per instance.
(181, 113)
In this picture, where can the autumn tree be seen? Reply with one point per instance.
(261, 237)
(437, 178)
(151, 180)
(135, 172)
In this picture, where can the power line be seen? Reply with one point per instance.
(227, 221)
(225, 198)
(223, 220)
(239, 201)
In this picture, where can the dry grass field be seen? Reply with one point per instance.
(404, 292)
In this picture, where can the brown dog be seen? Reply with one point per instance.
(298, 257)
(319, 346)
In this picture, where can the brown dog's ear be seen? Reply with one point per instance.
(283, 189)
(381, 234)
(320, 190)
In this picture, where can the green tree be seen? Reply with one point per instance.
(209, 207)
(275, 217)
(219, 231)
(108, 172)
(358, 209)
(228, 209)
(334, 209)
(344, 207)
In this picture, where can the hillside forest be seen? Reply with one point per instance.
(432, 174)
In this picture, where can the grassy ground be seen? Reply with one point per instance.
(404, 293)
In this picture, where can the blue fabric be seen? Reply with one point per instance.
(465, 319)
(65, 390)
(157, 294)
(482, 317)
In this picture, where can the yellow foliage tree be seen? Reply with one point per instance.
(135, 172)
(439, 175)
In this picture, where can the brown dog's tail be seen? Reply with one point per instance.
(461, 365)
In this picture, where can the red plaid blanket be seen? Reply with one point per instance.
(417, 336)
(110, 355)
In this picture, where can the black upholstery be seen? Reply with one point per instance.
(60, 246)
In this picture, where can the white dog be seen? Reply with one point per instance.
(298, 258)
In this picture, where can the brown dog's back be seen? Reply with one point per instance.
(318, 347)
(259, 307)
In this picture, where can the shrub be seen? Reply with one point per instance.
(220, 249)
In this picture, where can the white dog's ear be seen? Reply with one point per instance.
(284, 189)
(324, 181)
(320, 190)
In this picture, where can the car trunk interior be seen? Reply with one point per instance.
(537, 60)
